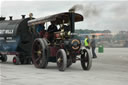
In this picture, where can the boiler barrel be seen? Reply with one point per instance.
(15, 36)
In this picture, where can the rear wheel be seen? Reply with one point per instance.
(3, 57)
(47, 50)
(38, 54)
(45, 42)
(86, 60)
(61, 60)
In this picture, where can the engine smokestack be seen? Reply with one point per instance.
(72, 20)
(72, 16)
(23, 16)
(10, 17)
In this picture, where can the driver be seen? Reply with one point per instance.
(52, 28)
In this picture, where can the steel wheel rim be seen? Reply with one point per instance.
(37, 53)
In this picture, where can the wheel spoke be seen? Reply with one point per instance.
(86, 57)
(86, 54)
(38, 59)
(38, 54)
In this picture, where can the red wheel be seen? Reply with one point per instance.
(16, 60)
(38, 54)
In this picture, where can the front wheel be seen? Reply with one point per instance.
(61, 60)
(86, 60)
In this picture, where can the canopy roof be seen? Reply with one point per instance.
(56, 18)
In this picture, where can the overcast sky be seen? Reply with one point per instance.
(112, 15)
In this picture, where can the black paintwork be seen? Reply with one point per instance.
(19, 33)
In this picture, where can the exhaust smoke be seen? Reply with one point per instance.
(86, 9)
(104, 15)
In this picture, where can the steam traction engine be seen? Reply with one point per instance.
(61, 46)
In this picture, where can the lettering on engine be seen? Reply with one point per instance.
(6, 31)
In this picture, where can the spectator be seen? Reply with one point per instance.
(93, 46)
(40, 28)
(86, 42)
